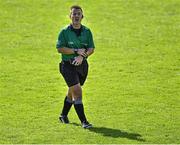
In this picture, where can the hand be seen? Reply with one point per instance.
(82, 52)
(77, 60)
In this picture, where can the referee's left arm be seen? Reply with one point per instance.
(91, 46)
(90, 51)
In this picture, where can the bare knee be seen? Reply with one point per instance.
(76, 91)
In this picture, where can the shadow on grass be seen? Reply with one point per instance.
(115, 133)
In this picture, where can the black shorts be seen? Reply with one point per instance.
(74, 74)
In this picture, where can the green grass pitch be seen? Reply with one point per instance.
(132, 92)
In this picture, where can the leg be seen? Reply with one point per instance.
(67, 106)
(69, 74)
(78, 105)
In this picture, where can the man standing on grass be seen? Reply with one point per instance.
(75, 43)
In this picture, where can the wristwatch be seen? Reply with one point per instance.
(75, 51)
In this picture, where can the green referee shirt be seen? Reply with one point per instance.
(68, 38)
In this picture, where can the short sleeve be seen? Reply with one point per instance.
(61, 42)
(90, 40)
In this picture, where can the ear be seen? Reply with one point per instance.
(82, 16)
(70, 14)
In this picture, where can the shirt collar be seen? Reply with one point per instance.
(71, 27)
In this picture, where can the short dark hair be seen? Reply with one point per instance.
(76, 7)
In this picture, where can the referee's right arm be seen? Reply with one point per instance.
(65, 50)
(61, 45)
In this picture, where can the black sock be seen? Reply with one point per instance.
(80, 112)
(66, 107)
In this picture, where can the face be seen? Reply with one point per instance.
(76, 16)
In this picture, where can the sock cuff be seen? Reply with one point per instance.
(78, 101)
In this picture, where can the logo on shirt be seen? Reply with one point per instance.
(70, 42)
(85, 44)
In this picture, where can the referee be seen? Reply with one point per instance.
(75, 43)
